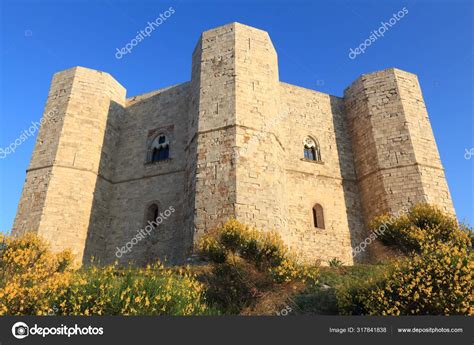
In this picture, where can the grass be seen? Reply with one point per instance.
(324, 297)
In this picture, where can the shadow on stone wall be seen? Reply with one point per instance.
(104, 236)
(100, 230)
(357, 227)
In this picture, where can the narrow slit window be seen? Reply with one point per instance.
(318, 216)
(152, 215)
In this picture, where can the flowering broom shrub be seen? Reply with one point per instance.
(30, 275)
(249, 264)
(409, 231)
(154, 290)
(265, 250)
(437, 281)
(434, 277)
(34, 281)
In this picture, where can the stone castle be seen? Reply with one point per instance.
(234, 142)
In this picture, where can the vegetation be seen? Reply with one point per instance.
(154, 290)
(250, 272)
(337, 291)
(422, 224)
(34, 281)
(433, 277)
(437, 281)
(335, 262)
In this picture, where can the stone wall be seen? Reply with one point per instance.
(259, 154)
(38, 176)
(330, 183)
(212, 130)
(396, 159)
(64, 169)
(136, 184)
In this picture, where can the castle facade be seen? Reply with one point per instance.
(145, 177)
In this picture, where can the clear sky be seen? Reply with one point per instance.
(313, 39)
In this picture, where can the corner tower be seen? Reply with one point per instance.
(396, 158)
(61, 179)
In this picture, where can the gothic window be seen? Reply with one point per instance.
(318, 216)
(311, 150)
(159, 149)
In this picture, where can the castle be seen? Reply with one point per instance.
(145, 177)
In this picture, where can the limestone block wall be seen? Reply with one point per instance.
(100, 222)
(393, 144)
(429, 166)
(212, 132)
(259, 154)
(70, 160)
(191, 147)
(30, 208)
(137, 183)
(331, 183)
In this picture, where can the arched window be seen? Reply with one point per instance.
(318, 216)
(311, 150)
(159, 149)
(152, 215)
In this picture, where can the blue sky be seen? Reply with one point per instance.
(312, 38)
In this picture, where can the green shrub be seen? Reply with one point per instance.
(319, 302)
(422, 222)
(154, 290)
(249, 264)
(335, 262)
(30, 275)
(236, 286)
(338, 291)
(35, 281)
(433, 279)
(437, 281)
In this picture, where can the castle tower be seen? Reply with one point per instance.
(211, 131)
(58, 193)
(234, 96)
(396, 158)
(259, 154)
